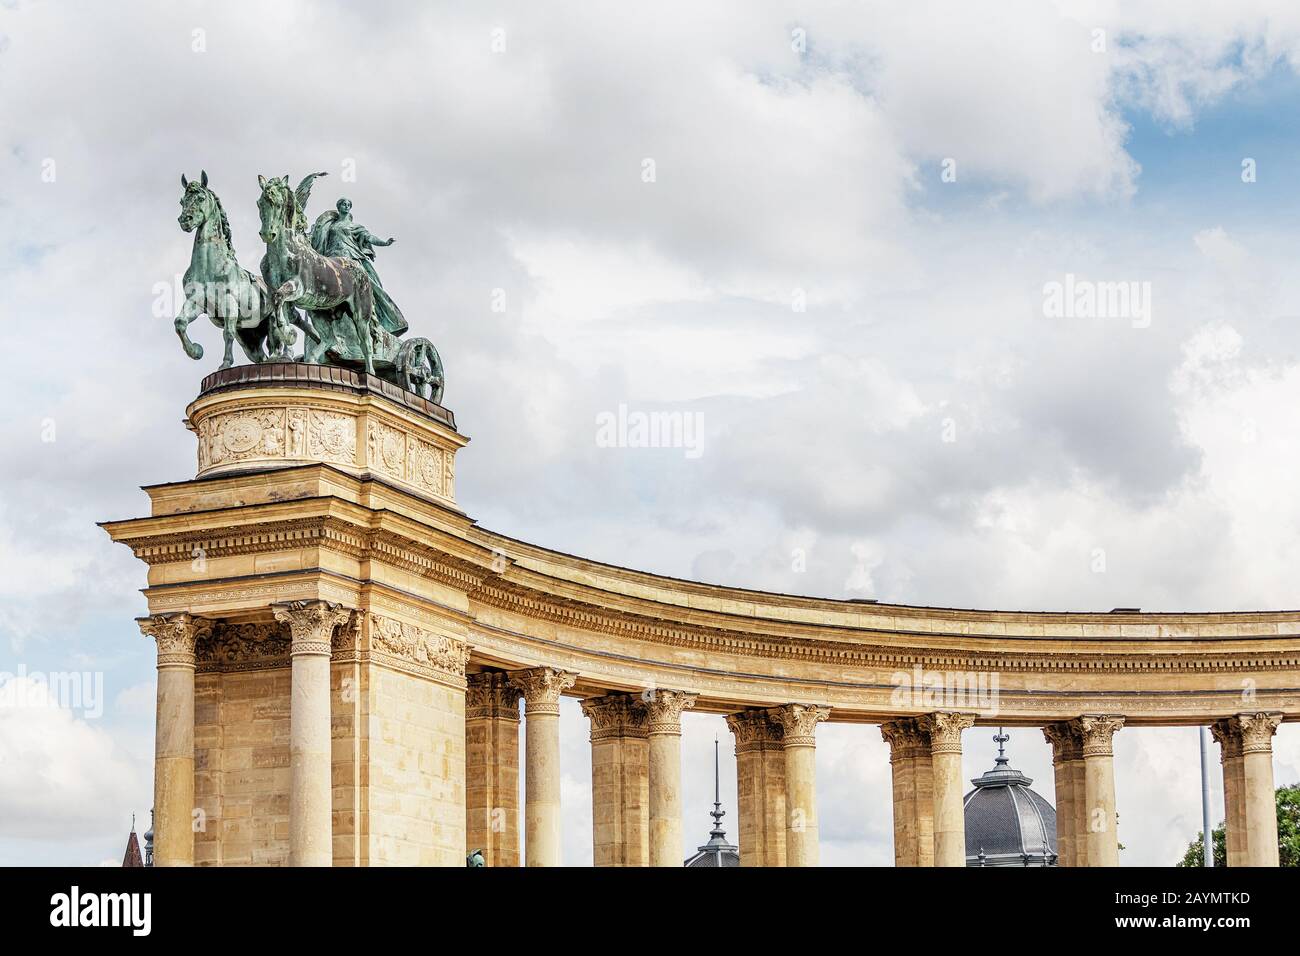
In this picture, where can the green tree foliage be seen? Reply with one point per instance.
(1288, 834)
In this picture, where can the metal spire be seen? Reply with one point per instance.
(717, 812)
(1001, 738)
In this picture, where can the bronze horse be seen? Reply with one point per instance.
(215, 285)
(336, 292)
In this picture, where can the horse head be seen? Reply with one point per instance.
(197, 202)
(275, 208)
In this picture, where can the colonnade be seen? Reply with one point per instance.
(636, 768)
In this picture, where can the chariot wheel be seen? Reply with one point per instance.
(419, 369)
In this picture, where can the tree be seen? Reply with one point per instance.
(1288, 834)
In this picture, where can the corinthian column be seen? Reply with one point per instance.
(620, 780)
(1249, 800)
(664, 709)
(311, 631)
(173, 768)
(1095, 734)
(1067, 764)
(542, 688)
(798, 724)
(945, 730)
(911, 765)
(760, 787)
(492, 768)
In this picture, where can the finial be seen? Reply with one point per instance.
(1001, 738)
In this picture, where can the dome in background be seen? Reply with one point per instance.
(717, 852)
(1007, 824)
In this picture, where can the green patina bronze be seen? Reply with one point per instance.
(321, 281)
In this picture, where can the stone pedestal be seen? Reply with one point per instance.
(911, 766)
(944, 730)
(492, 768)
(173, 783)
(1249, 800)
(254, 417)
(542, 688)
(760, 787)
(620, 780)
(798, 724)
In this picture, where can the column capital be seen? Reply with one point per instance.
(490, 694)
(616, 715)
(755, 730)
(542, 688)
(944, 728)
(665, 707)
(799, 723)
(176, 635)
(1096, 732)
(1067, 744)
(1246, 733)
(311, 624)
(906, 738)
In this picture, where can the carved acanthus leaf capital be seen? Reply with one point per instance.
(542, 688)
(1066, 743)
(944, 728)
(906, 738)
(176, 635)
(799, 723)
(311, 624)
(1096, 733)
(490, 694)
(1246, 733)
(616, 715)
(755, 730)
(665, 709)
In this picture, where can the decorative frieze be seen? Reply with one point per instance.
(237, 647)
(427, 650)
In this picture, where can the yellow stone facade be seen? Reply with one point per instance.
(327, 619)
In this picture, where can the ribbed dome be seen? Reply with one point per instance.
(1007, 824)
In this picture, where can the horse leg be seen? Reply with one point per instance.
(361, 319)
(228, 336)
(189, 312)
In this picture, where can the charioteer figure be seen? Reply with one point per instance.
(336, 233)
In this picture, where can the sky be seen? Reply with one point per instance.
(825, 234)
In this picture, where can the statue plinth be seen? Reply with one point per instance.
(282, 415)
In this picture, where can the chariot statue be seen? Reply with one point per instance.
(322, 282)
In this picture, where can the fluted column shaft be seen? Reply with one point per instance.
(311, 630)
(620, 780)
(492, 768)
(173, 776)
(944, 729)
(664, 708)
(1250, 804)
(912, 772)
(542, 688)
(798, 724)
(760, 787)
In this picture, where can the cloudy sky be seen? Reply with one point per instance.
(823, 231)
